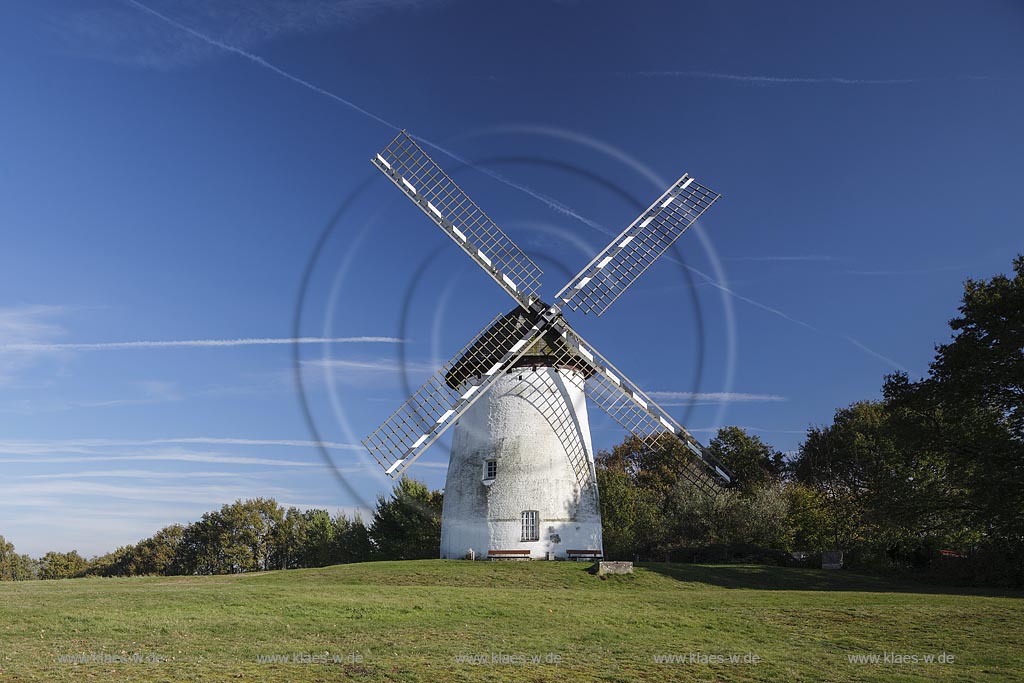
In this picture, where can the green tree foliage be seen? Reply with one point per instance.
(320, 546)
(290, 539)
(15, 567)
(650, 506)
(756, 517)
(352, 540)
(407, 525)
(968, 413)
(200, 550)
(884, 492)
(240, 537)
(116, 563)
(312, 538)
(844, 464)
(984, 364)
(245, 536)
(815, 523)
(158, 554)
(257, 535)
(7, 555)
(629, 513)
(939, 463)
(753, 462)
(56, 565)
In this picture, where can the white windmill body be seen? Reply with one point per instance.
(511, 483)
(521, 479)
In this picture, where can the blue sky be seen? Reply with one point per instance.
(168, 169)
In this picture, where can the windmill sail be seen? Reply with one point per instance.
(623, 400)
(551, 400)
(538, 328)
(410, 168)
(612, 271)
(439, 403)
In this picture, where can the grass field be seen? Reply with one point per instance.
(422, 621)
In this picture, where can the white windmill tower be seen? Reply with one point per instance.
(521, 479)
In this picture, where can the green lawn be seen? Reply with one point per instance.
(416, 621)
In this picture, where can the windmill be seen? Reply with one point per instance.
(521, 480)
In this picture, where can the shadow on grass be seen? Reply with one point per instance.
(758, 577)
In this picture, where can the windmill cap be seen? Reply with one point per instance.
(549, 351)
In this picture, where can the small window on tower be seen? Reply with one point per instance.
(490, 469)
(531, 527)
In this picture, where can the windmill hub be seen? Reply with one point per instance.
(521, 481)
(547, 350)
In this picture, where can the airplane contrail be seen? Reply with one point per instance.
(770, 80)
(719, 396)
(877, 355)
(551, 203)
(259, 60)
(192, 343)
(805, 80)
(548, 201)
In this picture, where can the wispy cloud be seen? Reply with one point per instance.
(914, 271)
(256, 59)
(367, 372)
(91, 526)
(798, 257)
(194, 343)
(164, 474)
(714, 396)
(770, 80)
(11, 492)
(876, 354)
(153, 391)
(376, 365)
(713, 282)
(555, 205)
(164, 456)
(111, 31)
(134, 474)
(774, 311)
(747, 428)
(96, 446)
(752, 79)
(148, 392)
(261, 442)
(21, 325)
(736, 295)
(550, 202)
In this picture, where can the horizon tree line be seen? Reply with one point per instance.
(930, 478)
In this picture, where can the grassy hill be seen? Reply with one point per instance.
(438, 620)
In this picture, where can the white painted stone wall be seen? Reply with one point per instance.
(509, 424)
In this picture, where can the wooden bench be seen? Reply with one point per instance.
(584, 555)
(508, 554)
